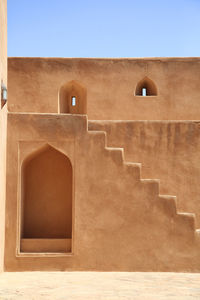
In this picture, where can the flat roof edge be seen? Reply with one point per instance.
(110, 58)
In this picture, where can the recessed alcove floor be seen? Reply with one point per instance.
(45, 245)
(99, 285)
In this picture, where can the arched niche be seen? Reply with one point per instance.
(46, 224)
(146, 87)
(73, 98)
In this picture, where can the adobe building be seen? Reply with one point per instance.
(100, 163)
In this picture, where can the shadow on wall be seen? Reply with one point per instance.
(72, 98)
(146, 87)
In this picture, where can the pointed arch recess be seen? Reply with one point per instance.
(67, 92)
(148, 84)
(46, 201)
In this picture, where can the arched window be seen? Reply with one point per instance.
(46, 224)
(72, 98)
(146, 87)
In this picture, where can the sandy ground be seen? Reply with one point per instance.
(96, 285)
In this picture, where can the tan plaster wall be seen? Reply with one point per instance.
(3, 41)
(3, 119)
(34, 84)
(120, 222)
(168, 150)
(3, 128)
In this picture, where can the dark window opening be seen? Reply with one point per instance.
(146, 87)
(72, 98)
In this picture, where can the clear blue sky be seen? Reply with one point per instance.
(103, 28)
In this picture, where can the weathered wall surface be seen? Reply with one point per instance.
(3, 128)
(3, 117)
(167, 150)
(34, 84)
(120, 222)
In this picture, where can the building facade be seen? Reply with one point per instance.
(101, 165)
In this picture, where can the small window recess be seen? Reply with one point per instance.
(73, 101)
(146, 87)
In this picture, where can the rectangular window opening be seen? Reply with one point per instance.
(73, 101)
(144, 91)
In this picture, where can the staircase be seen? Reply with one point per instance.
(167, 204)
